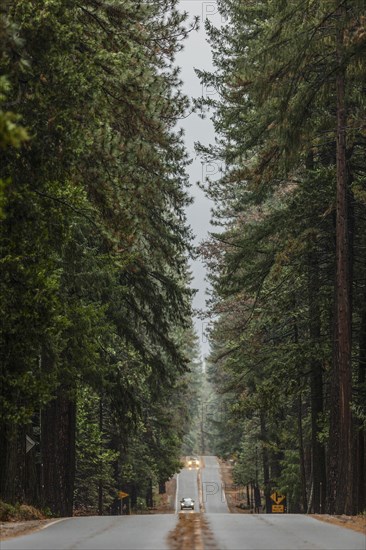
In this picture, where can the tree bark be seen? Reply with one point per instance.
(149, 495)
(340, 441)
(58, 453)
(100, 482)
(265, 458)
(304, 501)
(12, 463)
(300, 435)
(318, 466)
(359, 477)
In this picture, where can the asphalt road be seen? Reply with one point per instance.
(267, 531)
(99, 533)
(187, 487)
(230, 531)
(213, 494)
(281, 532)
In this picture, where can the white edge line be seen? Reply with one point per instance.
(53, 522)
(199, 489)
(176, 495)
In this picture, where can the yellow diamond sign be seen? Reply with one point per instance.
(277, 497)
(121, 494)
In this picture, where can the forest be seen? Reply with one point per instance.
(98, 353)
(287, 262)
(102, 389)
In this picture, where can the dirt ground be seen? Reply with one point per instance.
(234, 496)
(356, 523)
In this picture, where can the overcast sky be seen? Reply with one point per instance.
(197, 54)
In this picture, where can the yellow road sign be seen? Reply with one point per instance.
(277, 497)
(121, 494)
(278, 508)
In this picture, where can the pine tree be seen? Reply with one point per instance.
(95, 239)
(284, 73)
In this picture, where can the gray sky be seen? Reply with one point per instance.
(197, 54)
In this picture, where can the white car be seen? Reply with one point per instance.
(186, 504)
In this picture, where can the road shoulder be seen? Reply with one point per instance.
(234, 496)
(10, 529)
(356, 523)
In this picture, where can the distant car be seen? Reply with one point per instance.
(186, 504)
(193, 461)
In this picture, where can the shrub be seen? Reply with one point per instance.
(7, 511)
(19, 512)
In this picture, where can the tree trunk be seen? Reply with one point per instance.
(149, 495)
(340, 441)
(133, 495)
(58, 453)
(360, 478)
(300, 433)
(318, 467)
(265, 458)
(100, 482)
(304, 501)
(12, 463)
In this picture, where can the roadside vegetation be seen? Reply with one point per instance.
(97, 345)
(20, 512)
(288, 262)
